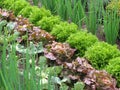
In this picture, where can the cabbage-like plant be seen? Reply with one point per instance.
(47, 23)
(38, 13)
(18, 5)
(81, 41)
(26, 11)
(7, 3)
(100, 53)
(63, 30)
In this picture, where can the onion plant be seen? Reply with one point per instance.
(111, 26)
(11, 75)
(22, 68)
(20, 73)
(94, 15)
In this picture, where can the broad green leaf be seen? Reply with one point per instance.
(79, 86)
(2, 23)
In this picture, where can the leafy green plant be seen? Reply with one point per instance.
(81, 41)
(2, 24)
(7, 3)
(63, 30)
(100, 53)
(47, 23)
(26, 11)
(17, 6)
(31, 49)
(38, 13)
(79, 86)
(114, 69)
(5, 31)
(35, 13)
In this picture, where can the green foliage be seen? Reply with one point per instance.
(79, 86)
(32, 49)
(2, 24)
(26, 11)
(92, 17)
(27, 71)
(38, 13)
(1, 3)
(22, 7)
(114, 68)
(81, 41)
(113, 20)
(114, 5)
(54, 70)
(64, 30)
(67, 9)
(111, 26)
(64, 87)
(18, 5)
(5, 31)
(47, 23)
(34, 13)
(77, 15)
(100, 53)
(2, 81)
(7, 3)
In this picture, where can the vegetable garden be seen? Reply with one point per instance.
(59, 45)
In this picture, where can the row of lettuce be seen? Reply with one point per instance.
(101, 55)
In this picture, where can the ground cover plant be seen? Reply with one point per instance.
(81, 41)
(63, 30)
(100, 53)
(47, 23)
(38, 61)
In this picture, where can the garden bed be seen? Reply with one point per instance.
(43, 52)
